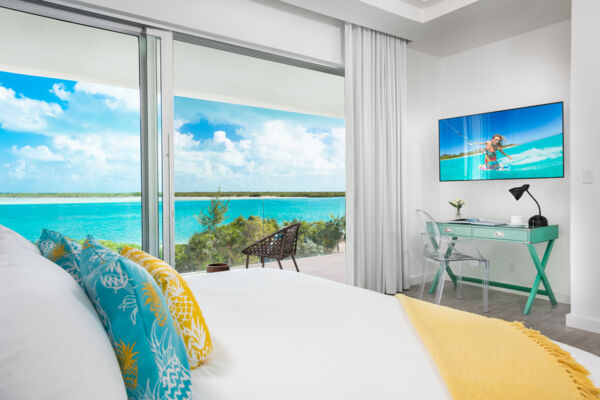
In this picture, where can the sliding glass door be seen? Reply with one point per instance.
(69, 130)
(258, 145)
(189, 149)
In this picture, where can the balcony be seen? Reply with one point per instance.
(331, 266)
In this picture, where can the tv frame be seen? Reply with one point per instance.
(495, 111)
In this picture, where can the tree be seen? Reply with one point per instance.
(215, 213)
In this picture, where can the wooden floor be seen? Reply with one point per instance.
(548, 319)
(544, 317)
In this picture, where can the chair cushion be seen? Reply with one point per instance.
(63, 251)
(134, 313)
(52, 343)
(181, 302)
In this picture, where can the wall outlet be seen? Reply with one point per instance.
(588, 176)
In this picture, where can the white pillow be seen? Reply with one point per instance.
(12, 237)
(52, 344)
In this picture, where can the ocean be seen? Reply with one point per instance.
(538, 159)
(119, 220)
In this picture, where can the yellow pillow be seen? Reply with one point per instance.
(181, 302)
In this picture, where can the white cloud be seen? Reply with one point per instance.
(115, 97)
(38, 153)
(275, 154)
(284, 149)
(99, 158)
(60, 91)
(17, 169)
(20, 113)
(178, 123)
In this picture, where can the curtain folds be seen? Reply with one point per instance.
(375, 81)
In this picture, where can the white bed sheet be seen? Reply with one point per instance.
(284, 335)
(279, 334)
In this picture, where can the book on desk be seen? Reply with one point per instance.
(480, 221)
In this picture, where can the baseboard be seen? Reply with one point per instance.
(585, 323)
(564, 298)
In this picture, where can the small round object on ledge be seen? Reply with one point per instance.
(217, 267)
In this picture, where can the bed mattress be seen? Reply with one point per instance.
(279, 334)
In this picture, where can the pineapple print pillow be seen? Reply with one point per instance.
(61, 250)
(181, 302)
(128, 301)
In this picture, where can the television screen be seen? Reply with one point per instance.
(520, 143)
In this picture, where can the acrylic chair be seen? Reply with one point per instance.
(440, 250)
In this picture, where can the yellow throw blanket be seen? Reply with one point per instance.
(487, 358)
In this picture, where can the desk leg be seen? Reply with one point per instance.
(448, 269)
(541, 275)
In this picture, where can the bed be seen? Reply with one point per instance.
(276, 335)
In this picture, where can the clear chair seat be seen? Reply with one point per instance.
(441, 251)
(454, 256)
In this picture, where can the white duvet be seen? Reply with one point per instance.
(284, 335)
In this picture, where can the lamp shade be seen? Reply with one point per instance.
(517, 192)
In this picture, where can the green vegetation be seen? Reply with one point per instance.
(224, 243)
(114, 246)
(180, 194)
(27, 195)
(261, 194)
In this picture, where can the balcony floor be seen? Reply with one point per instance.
(331, 266)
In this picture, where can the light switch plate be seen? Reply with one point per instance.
(588, 176)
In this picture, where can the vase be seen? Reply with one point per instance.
(217, 267)
(458, 216)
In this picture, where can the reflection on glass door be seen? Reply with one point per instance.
(69, 130)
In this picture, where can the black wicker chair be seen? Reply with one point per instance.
(278, 246)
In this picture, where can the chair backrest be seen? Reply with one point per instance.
(290, 240)
(277, 245)
(430, 233)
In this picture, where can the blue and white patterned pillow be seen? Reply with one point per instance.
(150, 352)
(61, 250)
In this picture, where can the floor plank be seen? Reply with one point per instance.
(544, 317)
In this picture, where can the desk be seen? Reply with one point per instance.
(504, 233)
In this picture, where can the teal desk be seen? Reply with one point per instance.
(507, 234)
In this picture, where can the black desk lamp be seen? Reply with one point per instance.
(536, 220)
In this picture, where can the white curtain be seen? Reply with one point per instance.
(375, 82)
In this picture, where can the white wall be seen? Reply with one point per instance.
(528, 69)
(424, 74)
(265, 23)
(585, 142)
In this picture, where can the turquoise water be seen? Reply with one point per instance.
(122, 222)
(539, 159)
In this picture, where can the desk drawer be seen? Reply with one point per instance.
(455, 229)
(501, 234)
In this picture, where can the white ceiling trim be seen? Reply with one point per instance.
(423, 14)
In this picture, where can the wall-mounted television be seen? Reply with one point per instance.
(520, 143)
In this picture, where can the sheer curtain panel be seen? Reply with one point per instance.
(375, 81)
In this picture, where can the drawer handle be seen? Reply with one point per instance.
(448, 230)
(499, 233)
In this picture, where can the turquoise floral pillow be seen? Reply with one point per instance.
(150, 352)
(63, 251)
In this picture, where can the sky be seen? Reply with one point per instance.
(66, 136)
(518, 126)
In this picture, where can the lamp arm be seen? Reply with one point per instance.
(538, 204)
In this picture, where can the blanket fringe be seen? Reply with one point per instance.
(577, 372)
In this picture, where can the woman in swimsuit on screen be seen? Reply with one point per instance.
(491, 146)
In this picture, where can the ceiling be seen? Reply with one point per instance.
(445, 27)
